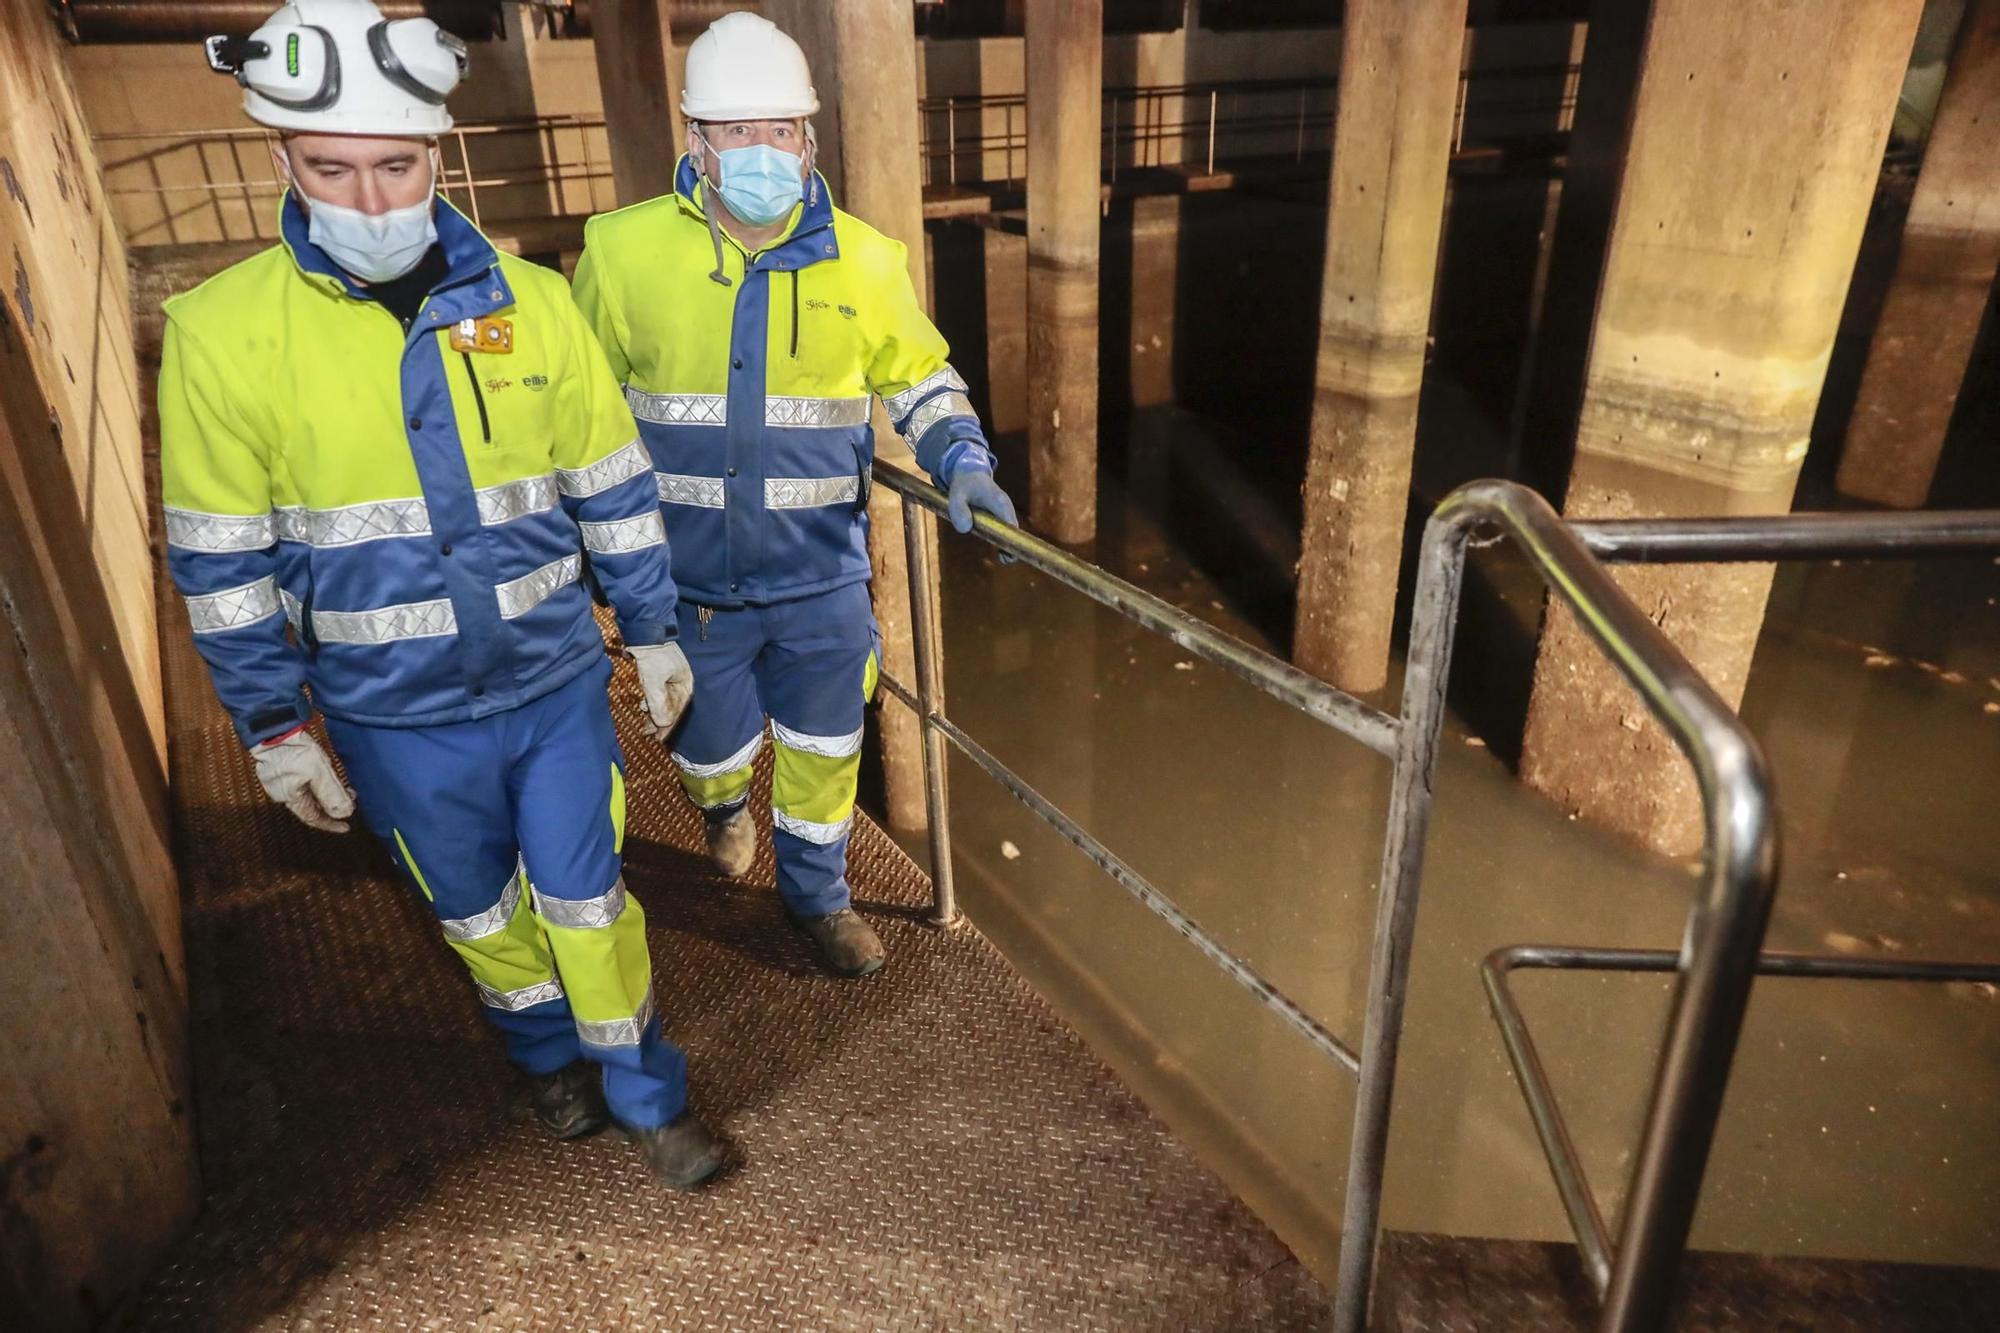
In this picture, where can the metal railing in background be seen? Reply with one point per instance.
(1187, 125)
(554, 167)
(1719, 957)
(1201, 125)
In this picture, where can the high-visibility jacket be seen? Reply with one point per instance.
(415, 512)
(754, 397)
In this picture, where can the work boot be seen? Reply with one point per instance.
(732, 842)
(846, 941)
(682, 1152)
(570, 1102)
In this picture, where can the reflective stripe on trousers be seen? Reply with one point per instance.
(808, 665)
(513, 826)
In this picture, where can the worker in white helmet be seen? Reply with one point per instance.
(751, 322)
(386, 449)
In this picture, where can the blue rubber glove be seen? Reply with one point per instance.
(974, 488)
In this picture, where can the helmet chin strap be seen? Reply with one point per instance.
(715, 193)
(714, 196)
(715, 239)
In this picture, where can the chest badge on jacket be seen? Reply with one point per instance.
(486, 334)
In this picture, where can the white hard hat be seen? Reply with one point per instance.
(339, 67)
(745, 68)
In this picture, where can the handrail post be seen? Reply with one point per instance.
(1718, 964)
(1719, 951)
(1113, 138)
(923, 632)
(1433, 625)
(1211, 131)
(1719, 955)
(471, 190)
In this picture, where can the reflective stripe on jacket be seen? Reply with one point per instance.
(416, 514)
(754, 398)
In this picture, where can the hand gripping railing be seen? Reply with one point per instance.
(1282, 681)
(1719, 955)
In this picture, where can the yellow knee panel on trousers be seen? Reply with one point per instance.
(719, 790)
(605, 967)
(814, 787)
(513, 958)
(504, 948)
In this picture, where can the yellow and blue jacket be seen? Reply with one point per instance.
(414, 511)
(753, 395)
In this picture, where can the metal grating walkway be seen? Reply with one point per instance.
(1444, 1284)
(929, 1148)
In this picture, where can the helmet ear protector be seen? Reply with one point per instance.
(298, 66)
(295, 67)
(419, 57)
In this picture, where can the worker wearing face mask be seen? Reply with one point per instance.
(385, 450)
(751, 322)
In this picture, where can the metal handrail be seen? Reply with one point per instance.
(1243, 110)
(553, 170)
(1661, 541)
(1724, 929)
(1565, 1163)
(1719, 956)
(1219, 112)
(1310, 696)
(1637, 1301)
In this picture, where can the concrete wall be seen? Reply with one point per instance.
(96, 1153)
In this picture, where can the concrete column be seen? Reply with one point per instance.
(1065, 77)
(1944, 276)
(1399, 65)
(864, 61)
(1755, 140)
(640, 79)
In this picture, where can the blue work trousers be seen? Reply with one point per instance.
(808, 665)
(512, 826)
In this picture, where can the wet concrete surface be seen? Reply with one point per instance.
(1861, 1116)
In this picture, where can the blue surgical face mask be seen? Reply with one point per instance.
(375, 247)
(760, 184)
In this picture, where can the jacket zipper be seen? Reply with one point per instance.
(472, 378)
(795, 314)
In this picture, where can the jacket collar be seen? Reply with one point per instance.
(473, 283)
(468, 254)
(809, 240)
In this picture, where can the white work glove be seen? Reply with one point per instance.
(668, 683)
(297, 775)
